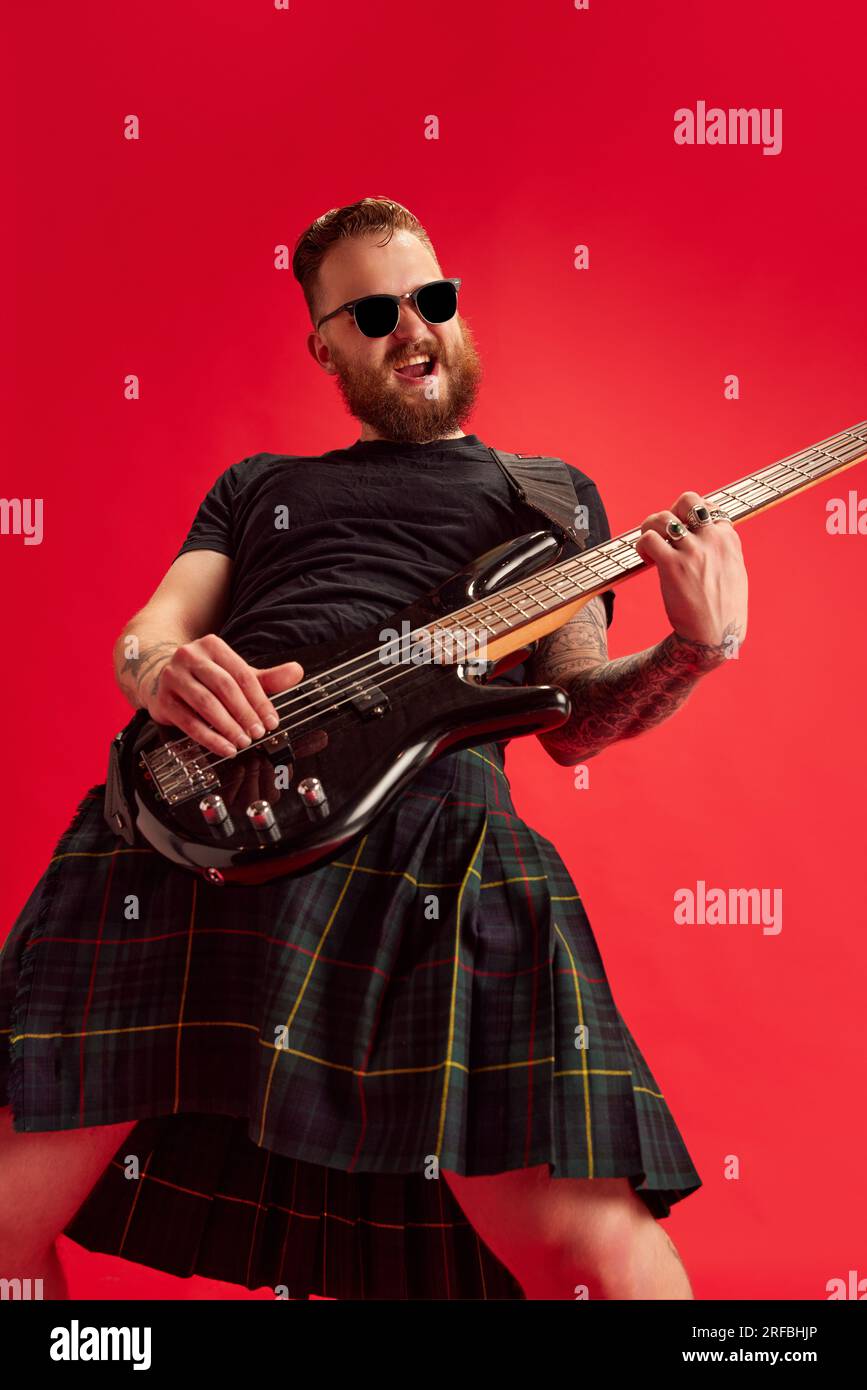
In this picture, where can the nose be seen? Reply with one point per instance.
(410, 323)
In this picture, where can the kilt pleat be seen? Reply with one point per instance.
(209, 1202)
(304, 1057)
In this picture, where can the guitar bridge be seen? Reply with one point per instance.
(175, 772)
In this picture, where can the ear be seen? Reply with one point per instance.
(313, 342)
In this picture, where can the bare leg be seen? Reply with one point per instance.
(44, 1178)
(560, 1237)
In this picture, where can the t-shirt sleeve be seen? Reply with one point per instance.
(587, 493)
(213, 527)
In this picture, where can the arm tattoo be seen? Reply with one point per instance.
(619, 699)
(135, 668)
(580, 644)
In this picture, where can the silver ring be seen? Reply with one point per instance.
(675, 530)
(698, 516)
(717, 515)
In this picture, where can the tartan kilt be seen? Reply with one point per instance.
(302, 1056)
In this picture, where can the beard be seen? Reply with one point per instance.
(414, 416)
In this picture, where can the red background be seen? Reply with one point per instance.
(156, 257)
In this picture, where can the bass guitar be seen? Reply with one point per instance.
(370, 712)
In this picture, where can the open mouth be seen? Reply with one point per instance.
(417, 368)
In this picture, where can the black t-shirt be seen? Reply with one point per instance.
(324, 546)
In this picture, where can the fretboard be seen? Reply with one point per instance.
(520, 606)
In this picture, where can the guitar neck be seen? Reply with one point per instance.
(522, 613)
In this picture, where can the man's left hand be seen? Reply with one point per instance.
(701, 574)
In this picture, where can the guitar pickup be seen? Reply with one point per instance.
(276, 743)
(369, 701)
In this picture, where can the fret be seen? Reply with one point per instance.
(462, 629)
(775, 476)
(522, 611)
(757, 495)
(590, 571)
(851, 444)
(765, 479)
(779, 472)
(630, 560)
(509, 619)
(826, 458)
(801, 471)
(594, 582)
(604, 569)
(627, 558)
(791, 479)
(820, 463)
(599, 554)
(737, 488)
(795, 469)
(732, 506)
(583, 577)
(484, 621)
(763, 490)
(752, 487)
(839, 441)
(614, 557)
(606, 551)
(545, 585)
(564, 579)
(529, 595)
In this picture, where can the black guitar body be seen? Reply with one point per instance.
(353, 734)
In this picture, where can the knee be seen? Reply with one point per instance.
(599, 1261)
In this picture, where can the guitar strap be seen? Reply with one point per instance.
(545, 484)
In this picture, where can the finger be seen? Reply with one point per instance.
(650, 546)
(248, 682)
(185, 719)
(276, 679)
(218, 679)
(685, 501)
(186, 687)
(658, 522)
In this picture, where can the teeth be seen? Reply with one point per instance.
(411, 362)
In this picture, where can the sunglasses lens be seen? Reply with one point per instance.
(438, 302)
(376, 316)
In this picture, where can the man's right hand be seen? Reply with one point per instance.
(209, 692)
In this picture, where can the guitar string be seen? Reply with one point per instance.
(298, 695)
(437, 627)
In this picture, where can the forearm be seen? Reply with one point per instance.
(622, 698)
(146, 642)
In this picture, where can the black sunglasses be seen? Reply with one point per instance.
(377, 315)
